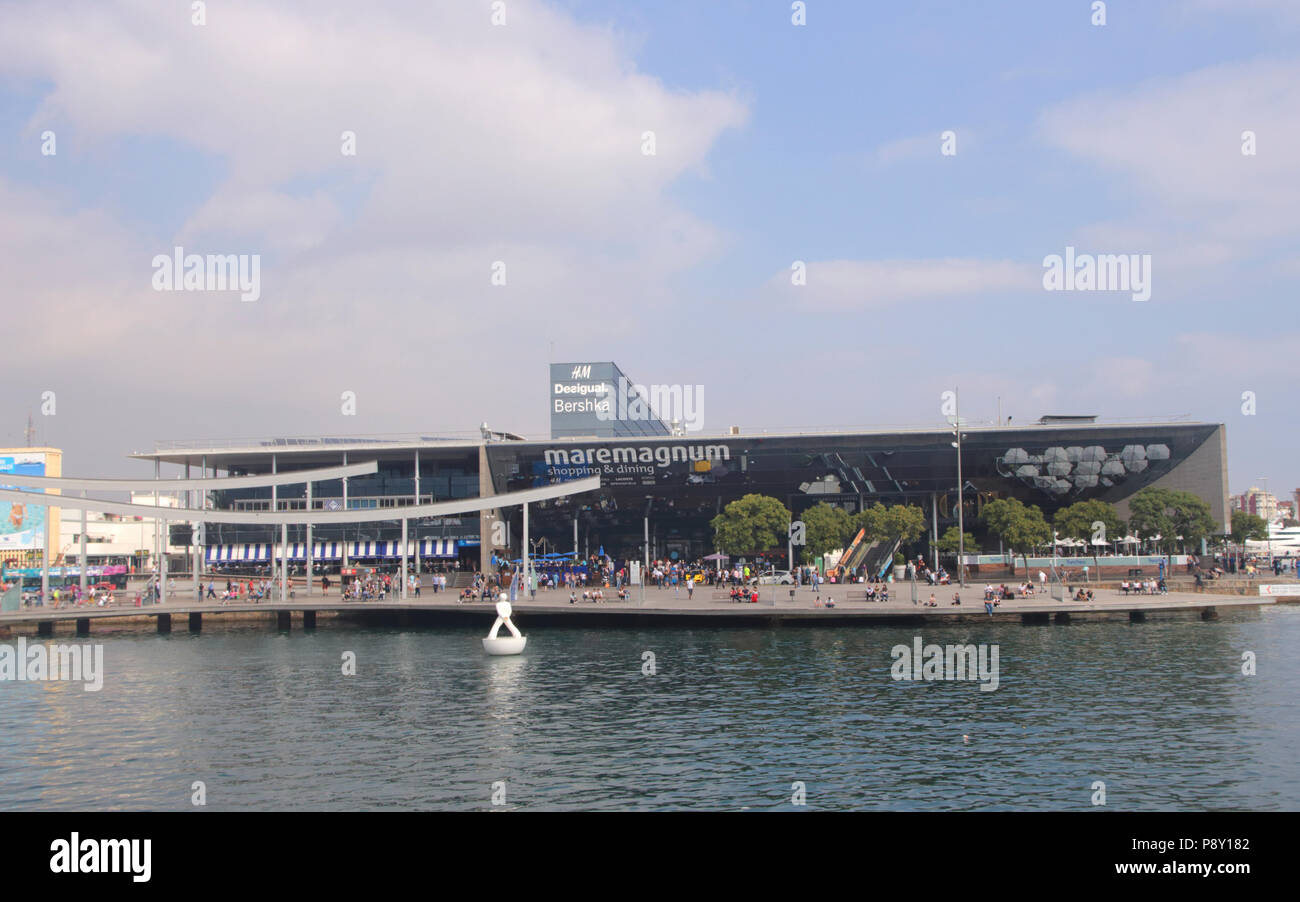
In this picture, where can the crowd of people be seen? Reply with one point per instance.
(66, 597)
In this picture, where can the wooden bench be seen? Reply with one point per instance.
(860, 595)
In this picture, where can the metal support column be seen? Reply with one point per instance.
(157, 558)
(201, 541)
(403, 595)
(84, 568)
(523, 558)
(275, 506)
(961, 535)
(345, 507)
(45, 556)
(417, 501)
(191, 501)
(162, 566)
(161, 530)
(310, 551)
(934, 529)
(284, 562)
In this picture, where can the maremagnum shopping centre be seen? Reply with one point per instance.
(668, 483)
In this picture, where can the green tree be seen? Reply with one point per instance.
(826, 528)
(1077, 522)
(1170, 514)
(1020, 526)
(1248, 526)
(905, 522)
(947, 543)
(751, 524)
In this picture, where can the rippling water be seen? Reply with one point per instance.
(1159, 711)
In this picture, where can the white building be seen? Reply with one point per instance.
(112, 538)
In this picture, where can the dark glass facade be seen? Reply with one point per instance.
(683, 483)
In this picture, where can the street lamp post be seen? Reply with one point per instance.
(961, 525)
(1268, 527)
(1056, 573)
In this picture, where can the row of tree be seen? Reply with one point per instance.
(1180, 519)
(1168, 518)
(759, 522)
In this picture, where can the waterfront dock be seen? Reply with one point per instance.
(778, 605)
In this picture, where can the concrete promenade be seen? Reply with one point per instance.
(776, 606)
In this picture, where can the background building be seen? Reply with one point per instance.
(23, 527)
(1257, 501)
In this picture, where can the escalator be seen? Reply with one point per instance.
(875, 557)
(851, 558)
(879, 559)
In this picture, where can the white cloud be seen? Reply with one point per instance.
(921, 146)
(1177, 142)
(846, 285)
(1286, 11)
(475, 143)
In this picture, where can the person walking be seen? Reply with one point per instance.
(690, 588)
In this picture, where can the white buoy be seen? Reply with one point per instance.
(510, 645)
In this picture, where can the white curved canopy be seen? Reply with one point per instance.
(302, 518)
(294, 477)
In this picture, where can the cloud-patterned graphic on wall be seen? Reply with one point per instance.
(1060, 471)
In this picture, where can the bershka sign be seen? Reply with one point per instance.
(581, 397)
(591, 400)
(660, 455)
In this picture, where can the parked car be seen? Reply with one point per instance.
(776, 578)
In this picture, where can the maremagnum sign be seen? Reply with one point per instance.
(621, 464)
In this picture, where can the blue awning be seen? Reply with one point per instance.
(234, 554)
(327, 551)
(437, 548)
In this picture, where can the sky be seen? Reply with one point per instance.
(503, 207)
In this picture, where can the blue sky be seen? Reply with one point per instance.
(775, 143)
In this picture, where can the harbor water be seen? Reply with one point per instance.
(666, 719)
